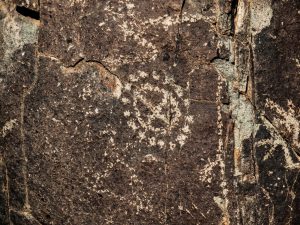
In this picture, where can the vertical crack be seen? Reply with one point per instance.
(25, 93)
(177, 49)
(252, 72)
(23, 151)
(7, 194)
(178, 38)
(233, 11)
(170, 112)
(6, 189)
(250, 90)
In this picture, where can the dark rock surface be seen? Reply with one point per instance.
(149, 112)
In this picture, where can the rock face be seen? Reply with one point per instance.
(149, 112)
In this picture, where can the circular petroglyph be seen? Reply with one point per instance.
(159, 108)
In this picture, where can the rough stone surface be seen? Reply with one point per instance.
(149, 112)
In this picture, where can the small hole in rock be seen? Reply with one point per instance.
(28, 12)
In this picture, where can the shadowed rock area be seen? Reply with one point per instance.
(138, 112)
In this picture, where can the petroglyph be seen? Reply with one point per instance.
(149, 112)
(286, 121)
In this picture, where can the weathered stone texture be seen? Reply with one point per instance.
(149, 112)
